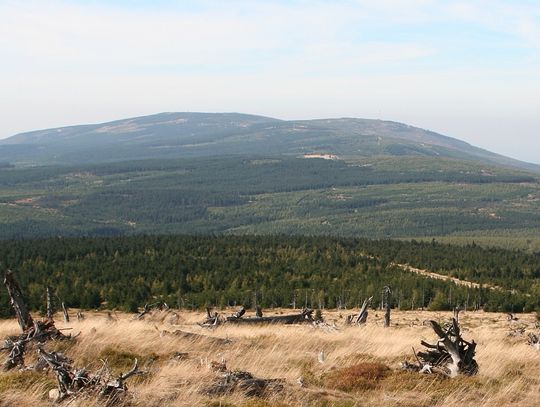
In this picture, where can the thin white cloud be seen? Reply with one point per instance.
(70, 62)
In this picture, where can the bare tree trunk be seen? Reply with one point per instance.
(386, 299)
(17, 302)
(50, 311)
(363, 314)
(66, 315)
(456, 313)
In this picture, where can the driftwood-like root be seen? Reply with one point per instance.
(231, 381)
(160, 305)
(32, 331)
(533, 340)
(79, 383)
(212, 319)
(450, 356)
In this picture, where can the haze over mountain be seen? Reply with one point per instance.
(243, 174)
(182, 135)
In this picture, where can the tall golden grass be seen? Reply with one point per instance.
(360, 367)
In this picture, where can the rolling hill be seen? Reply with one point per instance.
(183, 135)
(196, 173)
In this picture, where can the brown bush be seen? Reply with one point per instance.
(361, 376)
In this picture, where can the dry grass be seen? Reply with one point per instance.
(361, 366)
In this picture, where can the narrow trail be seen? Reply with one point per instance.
(443, 277)
(436, 276)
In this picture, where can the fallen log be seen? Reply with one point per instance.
(305, 316)
(194, 336)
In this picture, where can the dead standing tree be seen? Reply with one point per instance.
(17, 302)
(361, 318)
(386, 293)
(32, 331)
(50, 306)
(450, 356)
(65, 312)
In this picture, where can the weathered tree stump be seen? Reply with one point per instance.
(361, 317)
(450, 356)
(32, 331)
(17, 302)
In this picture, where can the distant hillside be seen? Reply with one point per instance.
(398, 197)
(201, 173)
(183, 135)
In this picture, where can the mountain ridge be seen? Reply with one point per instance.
(199, 134)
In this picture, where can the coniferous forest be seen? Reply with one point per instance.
(272, 271)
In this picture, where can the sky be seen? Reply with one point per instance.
(466, 69)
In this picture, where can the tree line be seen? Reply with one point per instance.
(270, 271)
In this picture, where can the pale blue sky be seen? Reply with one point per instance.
(467, 69)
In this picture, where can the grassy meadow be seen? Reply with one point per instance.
(361, 365)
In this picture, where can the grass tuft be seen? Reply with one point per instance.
(361, 376)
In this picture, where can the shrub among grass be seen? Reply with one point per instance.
(361, 376)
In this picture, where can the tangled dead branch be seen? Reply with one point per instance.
(79, 383)
(450, 356)
(230, 381)
(37, 332)
(533, 340)
(212, 319)
(160, 305)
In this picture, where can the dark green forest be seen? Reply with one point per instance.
(388, 197)
(273, 271)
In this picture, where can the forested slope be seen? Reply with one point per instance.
(372, 197)
(193, 272)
